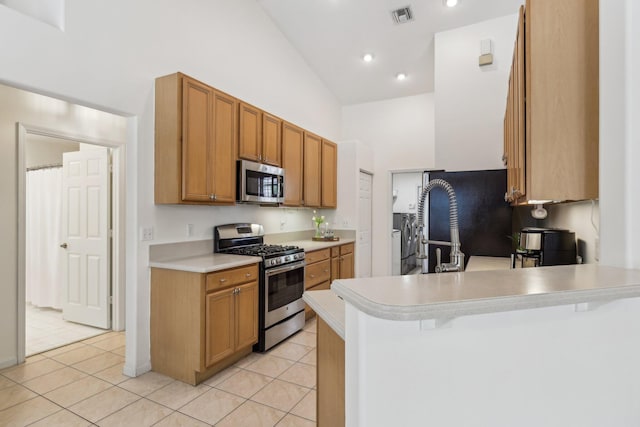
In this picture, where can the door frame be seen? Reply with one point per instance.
(117, 220)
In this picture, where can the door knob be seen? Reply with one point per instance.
(64, 246)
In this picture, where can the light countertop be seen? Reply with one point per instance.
(329, 307)
(311, 245)
(206, 263)
(447, 295)
(484, 263)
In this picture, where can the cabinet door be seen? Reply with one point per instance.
(329, 174)
(312, 169)
(246, 311)
(197, 101)
(335, 268)
(250, 133)
(292, 154)
(219, 325)
(222, 169)
(271, 139)
(347, 266)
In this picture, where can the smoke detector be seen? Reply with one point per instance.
(402, 15)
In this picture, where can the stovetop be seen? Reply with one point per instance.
(265, 251)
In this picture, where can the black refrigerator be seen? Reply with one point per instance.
(484, 217)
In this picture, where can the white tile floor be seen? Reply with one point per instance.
(82, 384)
(46, 330)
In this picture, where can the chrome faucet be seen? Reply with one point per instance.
(456, 258)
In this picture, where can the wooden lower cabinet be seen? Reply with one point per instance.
(342, 262)
(202, 323)
(330, 373)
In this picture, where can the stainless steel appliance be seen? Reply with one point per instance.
(281, 309)
(545, 246)
(259, 183)
(406, 223)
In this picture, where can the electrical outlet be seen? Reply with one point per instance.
(189, 230)
(146, 233)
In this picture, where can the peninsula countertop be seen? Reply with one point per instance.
(449, 295)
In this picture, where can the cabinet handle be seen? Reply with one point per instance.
(223, 280)
(312, 275)
(326, 271)
(212, 197)
(236, 291)
(248, 275)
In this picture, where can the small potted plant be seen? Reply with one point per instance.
(318, 220)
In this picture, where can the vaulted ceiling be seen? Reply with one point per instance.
(333, 36)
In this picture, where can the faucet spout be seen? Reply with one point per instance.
(456, 258)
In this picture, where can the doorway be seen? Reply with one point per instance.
(69, 234)
(406, 190)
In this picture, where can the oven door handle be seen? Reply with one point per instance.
(288, 267)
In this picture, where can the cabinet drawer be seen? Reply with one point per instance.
(232, 277)
(317, 273)
(316, 256)
(335, 251)
(346, 249)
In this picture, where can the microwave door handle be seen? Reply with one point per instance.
(282, 269)
(281, 180)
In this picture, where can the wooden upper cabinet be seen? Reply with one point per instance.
(260, 136)
(196, 130)
(312, 169)
(271, 139)
(552, 116)
(292, 163)
(197, 106)
(329, 174)
(250, 132)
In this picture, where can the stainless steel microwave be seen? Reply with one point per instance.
(259, 183)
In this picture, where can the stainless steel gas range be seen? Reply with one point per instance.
(281, 280)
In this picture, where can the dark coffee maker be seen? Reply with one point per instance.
(541, 247)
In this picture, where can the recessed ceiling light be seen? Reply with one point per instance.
(401, 76)
(450, 3)
(367, 57)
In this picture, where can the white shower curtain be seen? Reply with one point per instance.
(44, 257)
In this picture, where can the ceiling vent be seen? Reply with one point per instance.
(402, 15)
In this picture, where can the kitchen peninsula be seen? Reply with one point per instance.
(553, 346)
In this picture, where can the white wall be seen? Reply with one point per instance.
(405, 191)
(619, 132)
(109, 55)
(400, 133)
(470, 100)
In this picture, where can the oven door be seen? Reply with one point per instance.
(260, 183)
(283, 292)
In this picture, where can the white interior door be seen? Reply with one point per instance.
(85, 228)
(364, 226)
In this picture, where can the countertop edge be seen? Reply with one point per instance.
(323, 303)
(455, 309)
(177, 265)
